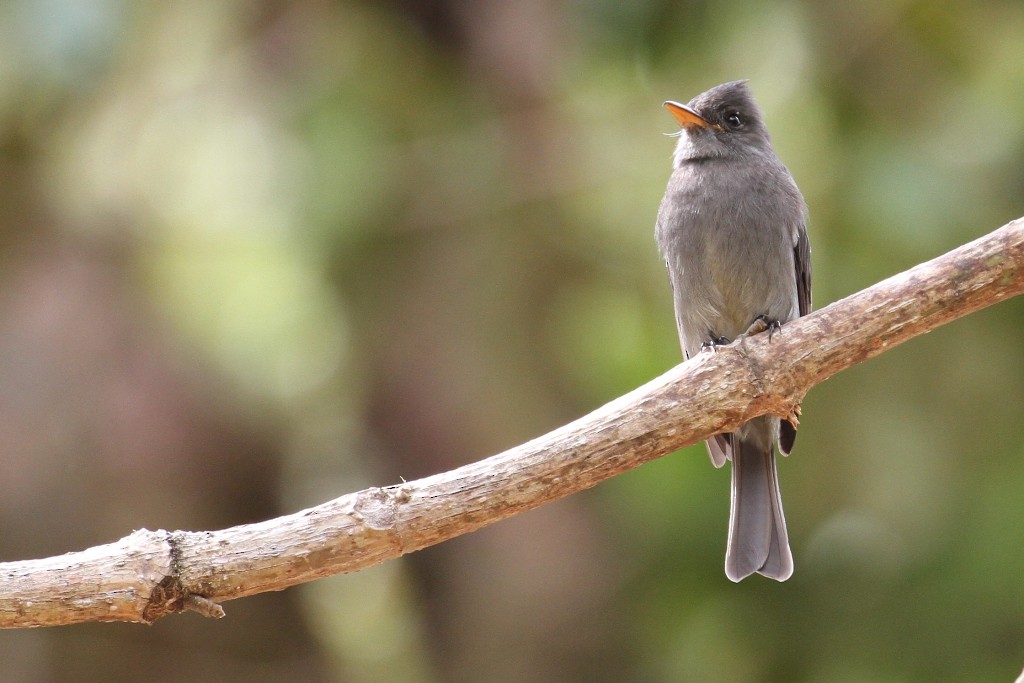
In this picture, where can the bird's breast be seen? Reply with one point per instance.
(727, 239)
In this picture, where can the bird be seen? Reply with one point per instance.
(732, 229)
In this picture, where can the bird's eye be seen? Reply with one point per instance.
(733, 119)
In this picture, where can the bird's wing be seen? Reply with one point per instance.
(802, 260)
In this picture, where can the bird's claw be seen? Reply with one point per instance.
(794, 416)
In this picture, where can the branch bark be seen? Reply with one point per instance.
(152, 573)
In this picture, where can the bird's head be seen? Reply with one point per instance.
(721, 122)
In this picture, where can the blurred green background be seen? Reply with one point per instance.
(256, 255)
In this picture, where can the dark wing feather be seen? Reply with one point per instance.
(802, 261)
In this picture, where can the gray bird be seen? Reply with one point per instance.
(732, 230)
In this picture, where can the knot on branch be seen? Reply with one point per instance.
(377, 508)
(171, 595)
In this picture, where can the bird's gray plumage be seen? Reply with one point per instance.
(732, 230)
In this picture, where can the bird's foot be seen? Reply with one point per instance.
(713, 344)
(762, 323)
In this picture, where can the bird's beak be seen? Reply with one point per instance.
(687, 117)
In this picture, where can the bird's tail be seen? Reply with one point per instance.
(758, 541)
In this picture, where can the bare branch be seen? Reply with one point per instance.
(151, 573)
